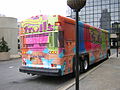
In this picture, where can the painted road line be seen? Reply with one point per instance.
(11, 67)
(71, 83)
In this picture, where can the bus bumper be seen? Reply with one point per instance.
(40, 71)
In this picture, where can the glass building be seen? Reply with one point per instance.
(100, 13)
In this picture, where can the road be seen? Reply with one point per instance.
(12, 79)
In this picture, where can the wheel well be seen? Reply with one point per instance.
(83, 56)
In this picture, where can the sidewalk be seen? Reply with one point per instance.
(106, 77)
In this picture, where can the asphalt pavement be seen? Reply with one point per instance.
(106, 77)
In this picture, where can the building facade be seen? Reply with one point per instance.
(103, 14)
(100, 13)
(9, 30)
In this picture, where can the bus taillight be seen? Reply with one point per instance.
(57, 24)
(53, 65)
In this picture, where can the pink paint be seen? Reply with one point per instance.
(43, 39)
(44, 17)
(95, 46)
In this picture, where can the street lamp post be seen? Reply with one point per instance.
(76, 5)
(117, 44)
(117, 36)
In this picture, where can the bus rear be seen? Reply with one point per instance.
(39, 45)
(47, 48)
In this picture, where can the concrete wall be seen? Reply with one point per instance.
(9, 30)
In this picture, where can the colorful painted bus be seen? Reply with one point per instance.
(48, 45)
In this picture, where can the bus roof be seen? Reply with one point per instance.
(87, 25)
(66, 19)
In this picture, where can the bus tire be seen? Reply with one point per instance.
(108, 54)
(85, 65)
(107, 57)
(74, 67)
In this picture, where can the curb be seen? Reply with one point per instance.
(15, 56)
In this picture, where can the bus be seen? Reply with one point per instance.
(48, 45)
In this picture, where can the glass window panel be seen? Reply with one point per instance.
(95, 15)
(91, 8)
(95, 19)
(95, 11)
(87, 16)
(99, 2)
(116, 5)
(87, 12)
(91, 3)
(83, 21)
(83, 16)
(116, 14)
(91, 24)
(95, 3)
(87, 4)
(99, 11)
(99, 15)
(112, 5)
(87, 9)
(105, 1)
(105, 7)
(91, 19)
(116, 1)
(116, 9)
(112, 14)
(83, 9)
(87, 20)
(112, 18)
(112, 10)
(116, 18)
(95, 24)
(112, 1)
(99, 7)
(91, 12)
(91, 16)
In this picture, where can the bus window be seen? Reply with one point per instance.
(53, 39)
(61, 39)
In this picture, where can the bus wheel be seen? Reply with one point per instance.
(85, 65)
(107, 57)
(74, 67)
(108, 54)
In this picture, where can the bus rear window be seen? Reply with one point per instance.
(53, 39)
(61, 39)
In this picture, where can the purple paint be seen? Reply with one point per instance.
(50, 28)
(45, 25)
(40, 29)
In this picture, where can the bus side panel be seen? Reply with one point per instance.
(67, 53)
(104, 44)
(95, 51)
(87, 38)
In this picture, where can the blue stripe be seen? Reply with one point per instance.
(81, 37)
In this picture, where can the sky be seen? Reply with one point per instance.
(23, 9)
